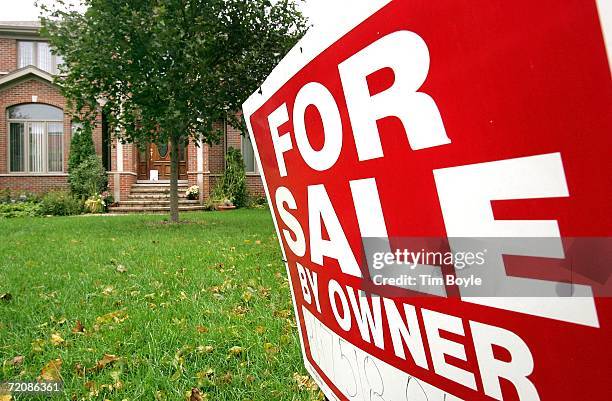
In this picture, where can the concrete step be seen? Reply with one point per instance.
(155, 190)
(156, 202)
(152, 209)
(153, 196)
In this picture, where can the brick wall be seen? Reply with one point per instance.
(47, 93)
(8, 55)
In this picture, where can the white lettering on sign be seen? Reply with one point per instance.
(318, 96)
(337, 247)
(515, 371)
(468, 213)
(297, 245)
(406, 54)
(368, 313)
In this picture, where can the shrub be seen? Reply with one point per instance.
(5, 195)
(60, 203)
(193, 192)
(88, 178)
(81, 148)
(95, 204)
(233, 182)
(257, 202)
(20, 209)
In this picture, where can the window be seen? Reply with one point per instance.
(36, 139)
(38, 54)
(248, 154)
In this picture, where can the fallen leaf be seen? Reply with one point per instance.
(236, 350)
(226, 378)
(107, 359)
(37, 345)
(51, 371)
(56, 339)
(117, 316)
(246, 296)
(205, 349)
(196, 395)
(78, 327)
(18, 360)
(121, 269)
(108, 290)
(5, 296)
(305, 382)
(270, 349)
(6, 397)
(201, 329)
(260, 329)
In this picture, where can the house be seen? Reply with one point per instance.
(35, 134)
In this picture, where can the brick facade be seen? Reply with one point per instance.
(8, 55)
(205, 164)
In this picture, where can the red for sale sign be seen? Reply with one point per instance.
(439, 177)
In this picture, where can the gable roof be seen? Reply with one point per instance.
(25, 72)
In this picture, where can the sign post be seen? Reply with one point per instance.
(438, 175)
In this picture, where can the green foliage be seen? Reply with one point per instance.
(60, 203)
(233, 182)
(81, 147)
(20, 209)
(95, 204)
(88, 178)
(5, 195)
(168, 70)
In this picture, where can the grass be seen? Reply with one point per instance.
(204, 304)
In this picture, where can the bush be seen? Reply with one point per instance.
(5, 195)
(60, 203)
(95, 204)
(88, 178)
(20, 209)
(81, 148)
(233, 182)
(257, 202)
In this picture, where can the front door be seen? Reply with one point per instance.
(157, 157)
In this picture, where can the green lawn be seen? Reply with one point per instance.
(204, 304)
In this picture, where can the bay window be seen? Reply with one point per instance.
(36, 139)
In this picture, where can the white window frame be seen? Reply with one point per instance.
(54, 58)
(26, 145)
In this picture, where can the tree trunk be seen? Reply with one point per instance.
(174, 174)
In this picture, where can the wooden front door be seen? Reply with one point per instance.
(157, 157)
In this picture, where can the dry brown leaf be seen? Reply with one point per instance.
(236, 350)
(107, 359)
(6, 397)
(51, 372)
(201, 329)
(79, 369)
(78, 327)
(196, 395)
